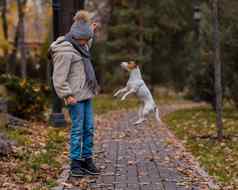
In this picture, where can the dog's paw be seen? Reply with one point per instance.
(123, 98)
(158, 120)
(139, 122)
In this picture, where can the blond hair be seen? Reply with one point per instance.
(82, 16)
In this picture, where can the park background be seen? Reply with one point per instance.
(178, 46)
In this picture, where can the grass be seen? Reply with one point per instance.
(51, 149)
(17, 135)
(105, 103)
(196, 128)
(38, 155)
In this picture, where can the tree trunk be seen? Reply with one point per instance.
(217, 65)
(21, 22)
(4, 19)
(13, 55)
(79, 4)
(5, 29)
(140, 26)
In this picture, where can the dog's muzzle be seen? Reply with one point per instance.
(124, 65)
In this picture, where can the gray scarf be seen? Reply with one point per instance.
(91, 80)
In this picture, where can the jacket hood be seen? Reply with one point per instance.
(60, 45)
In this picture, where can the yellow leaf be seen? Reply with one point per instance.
(23, 83)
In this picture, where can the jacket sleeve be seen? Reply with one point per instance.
(62, 64)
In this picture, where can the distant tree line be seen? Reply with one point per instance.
(161, 37)
(19, 57)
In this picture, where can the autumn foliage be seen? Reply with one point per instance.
(27, 98)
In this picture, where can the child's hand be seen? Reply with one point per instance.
(70, 100)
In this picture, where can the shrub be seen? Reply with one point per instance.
(201, 87)
(27, 98)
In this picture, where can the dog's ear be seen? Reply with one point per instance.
(132, 65)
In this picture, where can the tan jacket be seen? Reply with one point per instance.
(69, 75)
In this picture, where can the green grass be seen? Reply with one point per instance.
(105, 103)
(54, 146)
(196, 128)
(38, 161)
(17, 135)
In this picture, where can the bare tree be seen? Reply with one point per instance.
(19, 40)
(12, 58)
(217, 65)
(5, 27)
(21, 4)
(4, 18)
(140, 27)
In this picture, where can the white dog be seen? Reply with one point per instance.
(137, 85)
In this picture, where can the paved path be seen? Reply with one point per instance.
(146, 157)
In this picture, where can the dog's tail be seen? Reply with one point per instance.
(157, 115)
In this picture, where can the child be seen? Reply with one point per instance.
(75, 81)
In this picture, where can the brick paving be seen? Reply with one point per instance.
(146, 157)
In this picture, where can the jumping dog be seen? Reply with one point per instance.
(137, 85)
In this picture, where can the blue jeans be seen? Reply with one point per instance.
(82, 131)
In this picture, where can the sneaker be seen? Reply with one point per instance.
(89, 167)
(76, 169)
